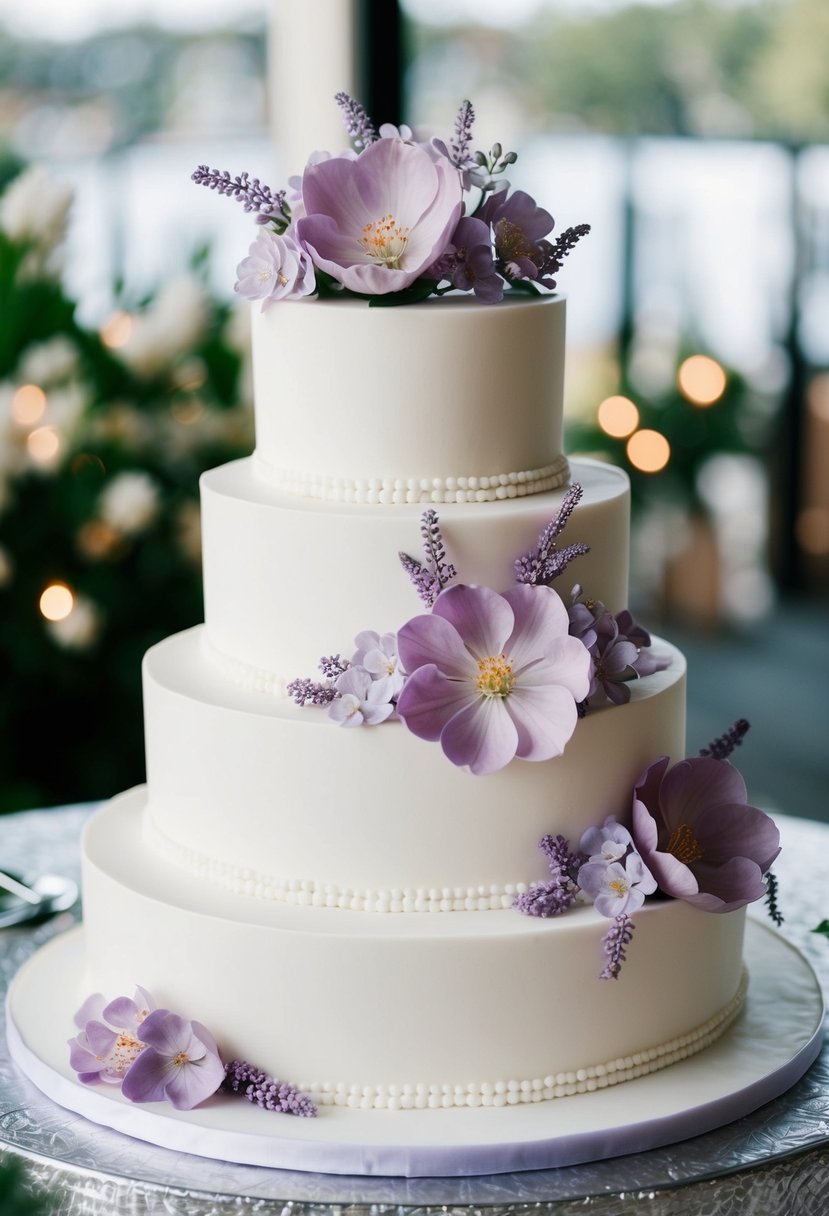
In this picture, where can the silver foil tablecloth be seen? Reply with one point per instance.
(772, 1162)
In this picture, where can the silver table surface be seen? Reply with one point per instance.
(771, 1162)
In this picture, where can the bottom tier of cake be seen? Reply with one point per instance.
(477, 1008)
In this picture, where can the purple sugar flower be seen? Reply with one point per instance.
(111, 1036)
(180, 1064)
(618, 648)
(608, 843)
(311, 692)
(378, 656)
(698, 836)
(473, 266)
(362, 700)
(555, 896)
(376, 223)
(493, 676)
(266, 1091)
(615, 942)
(276, 268)
(519, 225)
(618, 887)
(546, 561)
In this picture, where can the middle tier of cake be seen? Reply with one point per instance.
(258, 796)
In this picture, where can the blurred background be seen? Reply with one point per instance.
(692, 135)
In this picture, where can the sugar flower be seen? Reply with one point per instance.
(608, 843)
(180, 1064)
(617, 887)
(110, 1038)
(363, 701)
(493, 676)
(698, 836)
(377, 222)
(378, 656)
(276, 268)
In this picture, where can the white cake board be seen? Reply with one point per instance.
(769, 1047)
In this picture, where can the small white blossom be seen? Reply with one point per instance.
(130, 502)
(35, 208)
(46, 363)
(172, 325)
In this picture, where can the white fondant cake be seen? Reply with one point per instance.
(244, 887)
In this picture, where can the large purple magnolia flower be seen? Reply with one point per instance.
(110, 1038)
(493, 676)
(697, 835)
(181, 1063)
(377, 222)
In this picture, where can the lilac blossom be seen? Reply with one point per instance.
(698, 836)
(546, 561)
(431, 577)
(617, 887)
(559, 893)
(180, 1064)
(493, 676)
(724, 745)
(376, 223)
(459, 151)
(618, 649)
(266, 1091)
(304, 691)
(615, 943)
(276, 268)
(608, 843)
(110, 1038)
(333, 665)
(378, 656)
(362, 701)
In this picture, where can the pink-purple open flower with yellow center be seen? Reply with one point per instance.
(493, 676)
(109, 1039)
(377, 222)
(697, 835)
(180, 1063)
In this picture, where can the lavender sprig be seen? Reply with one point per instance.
(252, 194)
(357, 122)
(266, 1091)
(559, 893)
(554, 252)
(309, 692)
(772, 906)
(459, 153)
(724, 745)
(429, 578)
(614, 942)
(546, 562)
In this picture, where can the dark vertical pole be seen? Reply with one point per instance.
(380, 59)
(626, 321)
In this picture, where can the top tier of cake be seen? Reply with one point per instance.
(447, 401)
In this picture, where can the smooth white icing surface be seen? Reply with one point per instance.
(344, 999)
(443, 389)
(242, 781)
(289, 580)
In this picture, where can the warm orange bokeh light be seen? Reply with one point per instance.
(812, 531)
(618, 416)
(56, 602)
(28, 404)
(648, 451)
(117, 330)
(701, 380)
(43, 445)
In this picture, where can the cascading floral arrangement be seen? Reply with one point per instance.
(395, 219)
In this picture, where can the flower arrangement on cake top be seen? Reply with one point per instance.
(396, 219)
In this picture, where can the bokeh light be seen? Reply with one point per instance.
(56, 602)
(648, 451)
(812, 531)
(117, 330)
(701, 380)
(618, 417)
(44, 445)
(28, 404)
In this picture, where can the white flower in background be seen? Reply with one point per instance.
(35, 208)
(188, 531)
(80, 628)
(130, 502)
(46, 363)
(170, 327)
(65, 407)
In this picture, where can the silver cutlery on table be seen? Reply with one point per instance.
(47, 895)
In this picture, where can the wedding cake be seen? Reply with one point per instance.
(339, 872)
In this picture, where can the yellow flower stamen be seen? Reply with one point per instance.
(385, 241)
(495, 678)
(684, 845)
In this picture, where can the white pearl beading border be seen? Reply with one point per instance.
(310, 893)
(398, 490)
(245, 675)
(538, 1089)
